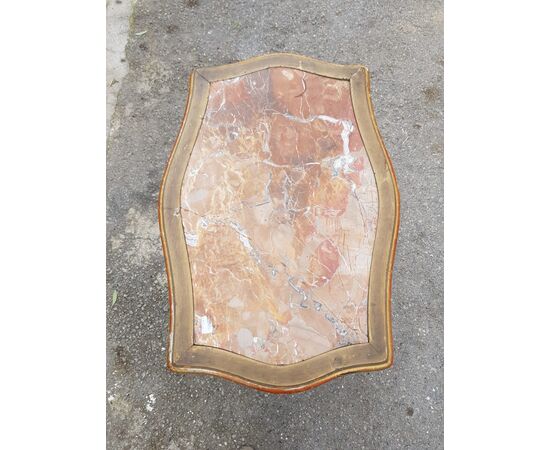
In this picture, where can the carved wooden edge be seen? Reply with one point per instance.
(183, 356)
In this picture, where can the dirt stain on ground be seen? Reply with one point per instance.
(431, 94)
(122, 359)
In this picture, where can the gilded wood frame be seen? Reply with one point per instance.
(186, 357)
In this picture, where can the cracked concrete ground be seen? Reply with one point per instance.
(118, 23)
(401, 42)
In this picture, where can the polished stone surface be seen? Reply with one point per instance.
(279, 207)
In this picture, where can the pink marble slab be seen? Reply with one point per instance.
(279, 207)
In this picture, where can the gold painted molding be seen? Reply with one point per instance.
(186, 357)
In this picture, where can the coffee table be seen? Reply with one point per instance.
(279, 213)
